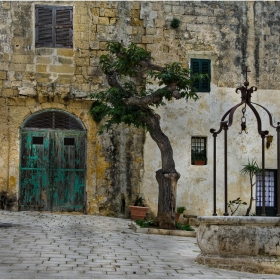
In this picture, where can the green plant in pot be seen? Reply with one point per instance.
(199, 157)
(139, 201)
(180, 210)
(138, 210)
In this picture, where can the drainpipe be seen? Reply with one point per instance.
(226, 180)
(8, 157)
(214, 175)
(263, 181)
(278, 169)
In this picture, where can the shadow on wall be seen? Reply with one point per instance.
(6, 202)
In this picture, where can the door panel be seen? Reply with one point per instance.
(270, 193)
(34, 172)
(52, 170)
(68, 166)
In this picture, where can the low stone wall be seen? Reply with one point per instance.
(249, 244)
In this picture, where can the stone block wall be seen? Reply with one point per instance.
(231, 34)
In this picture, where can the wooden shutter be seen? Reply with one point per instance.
(64, 27)
(205, 69)
(44, 26)
(54, 26)
(195, 70)
(202, 66)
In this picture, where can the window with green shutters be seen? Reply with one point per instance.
(54, 26)
(202, 66)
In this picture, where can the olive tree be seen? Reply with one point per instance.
(136, 87)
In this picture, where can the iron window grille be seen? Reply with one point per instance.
(53, 120)
(202, 66)
(54, 26)
(269, 182)
(198, 144)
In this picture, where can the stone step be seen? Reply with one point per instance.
(176, 232)
(190, 219)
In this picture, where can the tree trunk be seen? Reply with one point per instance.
(249, 208)
(251, 198)
(166, 199)
(167, 177)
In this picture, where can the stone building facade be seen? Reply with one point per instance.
(38, 83)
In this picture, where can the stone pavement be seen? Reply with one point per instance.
(45, 245)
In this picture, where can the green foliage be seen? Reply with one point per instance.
(235, 203)
(99, 110)
(109, 103)
(251, 168)
(145, 224)
(139, 201)
(175, 73)
(175, 23)
(198, 155)
(180, 209)
(151, 223)
(125, 61)
(183, 227)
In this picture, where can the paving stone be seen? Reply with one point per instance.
(51, 246)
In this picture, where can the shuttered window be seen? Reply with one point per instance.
(202, 66)
(54, 27)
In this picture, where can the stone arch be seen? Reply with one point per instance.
(52, 162)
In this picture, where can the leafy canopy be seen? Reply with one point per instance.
(250, 168)
(129, 63)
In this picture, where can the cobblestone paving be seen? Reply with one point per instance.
(45, 245)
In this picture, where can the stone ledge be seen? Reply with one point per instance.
(241, 243)
(138, 229)
(253, 264)
(239, 220)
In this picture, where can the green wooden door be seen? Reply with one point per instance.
(68, 171)
(52, 170)
(34, 171)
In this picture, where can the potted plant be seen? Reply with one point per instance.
(180, 210)
(199, 157)
(138, 210)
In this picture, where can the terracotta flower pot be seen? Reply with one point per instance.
(138, 212)
(199, 162)
(177, 216)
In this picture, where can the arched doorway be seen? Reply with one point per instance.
(52, 163)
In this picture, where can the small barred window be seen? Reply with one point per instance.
(199, 151)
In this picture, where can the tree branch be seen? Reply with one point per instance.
(148, 65)
(113, 80)
(153, 98)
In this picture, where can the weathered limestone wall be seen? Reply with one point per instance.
(231, 34)
(34, 79)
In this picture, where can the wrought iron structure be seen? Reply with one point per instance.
(246, 95)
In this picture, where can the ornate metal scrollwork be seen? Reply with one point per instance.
(226, 122)
(243, 121)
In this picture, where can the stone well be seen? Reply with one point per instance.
(249, 244)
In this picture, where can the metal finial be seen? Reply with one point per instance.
(246, 83)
